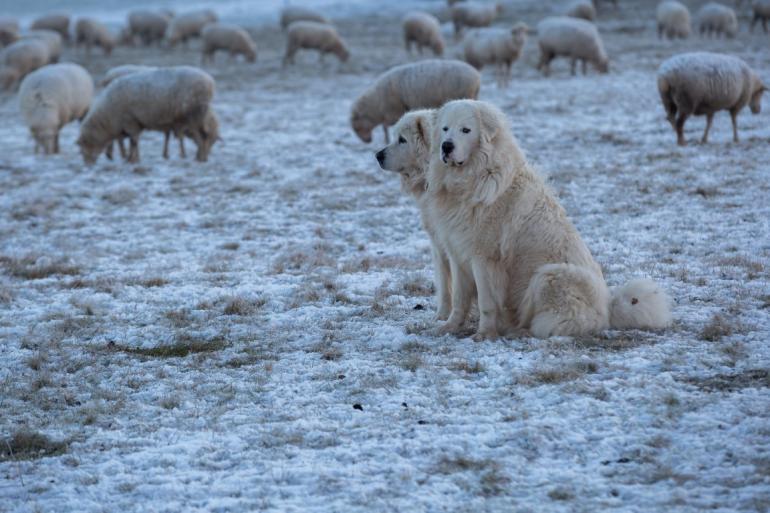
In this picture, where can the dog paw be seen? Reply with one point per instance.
(448, 328)
(481, 336)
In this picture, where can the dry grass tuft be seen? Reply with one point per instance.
(26, 445)
(468, 367)
(560, 372)
(237, 305)
(182, 346)
(718, 328)
(561, 493)
(30, 268)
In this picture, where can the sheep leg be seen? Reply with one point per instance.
(734, 118)
(572, 62)
(387, 136)
(753, 22)
(122, 148)
(583, 63)
(133, 152)
(56, 142)
(108, 150)
(709, 118)
(181, 146)
(680, 129)
(165, 144)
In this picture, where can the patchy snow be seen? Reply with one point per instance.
(297, 277)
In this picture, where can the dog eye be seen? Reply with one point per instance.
(401, 140)
(445, 128)
(466, 130)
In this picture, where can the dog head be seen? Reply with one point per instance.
(464, 126)
(410, 153)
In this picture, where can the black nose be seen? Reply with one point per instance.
(381, 156)
(447, 147)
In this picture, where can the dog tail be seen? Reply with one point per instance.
(640, 303)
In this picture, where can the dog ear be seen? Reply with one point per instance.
(490, 123)
(423, 123)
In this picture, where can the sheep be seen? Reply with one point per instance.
(673, 20)
(19, 59)
(175, 99)
(222, 36)
(50, 38)
(761, 13)
(420, 85)
(57, 22)
(474, 14)
(717, 19)
(149, 26)
(581, 9)
(291, 14)
(424, 30)
(702, 83)
(188, 25)
(570, 37)
(9, 30)
(498, 46)
(315, 36)
(51, 97)
(90, 32)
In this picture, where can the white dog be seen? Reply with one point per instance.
(409, 156)
(509, 241)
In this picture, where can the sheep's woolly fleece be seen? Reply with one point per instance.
(255, 333)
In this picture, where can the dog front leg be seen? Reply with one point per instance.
(486, 280)
(462, 292)
(442, 276)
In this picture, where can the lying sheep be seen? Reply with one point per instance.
(9, 30)
(90, 32)
(701, 83)
(761, 13)
(50, 38)
(420, 85)
(312, 35)
(19, 59)
(187, 26)
(233, 39)
(57, 22)
(173, 99)
(673, 19)
(423, 29)
(149, 26)
(496, 46)
(291, 14)
(717, 19)
(573, 38)
(51, 97)
(474, 14)
(582, 9)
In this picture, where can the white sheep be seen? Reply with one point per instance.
(496, 46)
(421, 85)
(312, 35)
(717, 19)
(51, 97)
(188, 25)
(9, 30)
(90, 32)
(50, 38)
(673, 19)
(761, 10)
(573, 38)
(19, 59)
(702, 83)
(233, 39)
(474, 14)
(582, 9)
(291, 14)
(149, 26)
(423, 29)
(175, 99)
(121, 71)
(57, 22)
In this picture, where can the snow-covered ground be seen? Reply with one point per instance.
(256, 332)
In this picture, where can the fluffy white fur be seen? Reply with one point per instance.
(511, 244)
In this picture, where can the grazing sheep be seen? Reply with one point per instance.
(314, 36)
(91, 32)
(50, 38)
(474, 14)
(497, 46)
(57, 22)
(717, 19)
(424, 30)
(51, 97)
(582, 9)
(761, 13)
(573, 38)
(149, 26)
(673, 19)
(187, 26)
(9, 30)
(173, 99)
(291, 14)
(222, 36)
(121, 71)
(702, 83)
(19, 59)
(421, 85)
